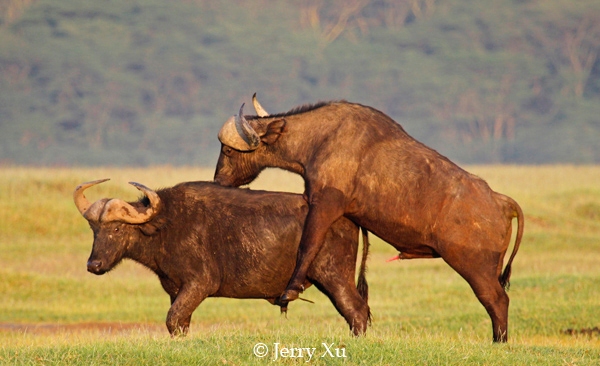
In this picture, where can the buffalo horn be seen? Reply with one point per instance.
(249, 132)
(81, 202)
(238, 134)
(260, 111)
(119, 210)
(116, 209)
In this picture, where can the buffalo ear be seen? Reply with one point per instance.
(274, 130)
(153, 226)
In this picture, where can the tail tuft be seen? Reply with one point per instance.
(361, 284)
(505, 277)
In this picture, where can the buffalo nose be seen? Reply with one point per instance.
(94, 266)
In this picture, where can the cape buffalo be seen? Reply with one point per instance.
(203, 240)
(358, 163)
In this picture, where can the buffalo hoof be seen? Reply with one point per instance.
(289, 295)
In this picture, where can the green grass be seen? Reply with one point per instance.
(53, 312)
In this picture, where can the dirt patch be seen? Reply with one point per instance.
(91, 327)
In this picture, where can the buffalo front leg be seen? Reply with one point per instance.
(170, 287)
(325, 207)
(180, 313)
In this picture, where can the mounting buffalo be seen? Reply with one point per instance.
(203, 240)
(358, 163)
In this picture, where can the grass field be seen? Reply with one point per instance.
(53, 312)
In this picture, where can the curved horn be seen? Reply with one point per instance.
(260, 111)
(238, 134)
(251, 135)
(119, 210)
(152, 195)
(81, 202)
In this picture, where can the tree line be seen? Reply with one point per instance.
(139, 82)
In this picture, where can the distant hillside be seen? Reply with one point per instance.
(139, 82)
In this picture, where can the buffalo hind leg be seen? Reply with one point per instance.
(495, 300)
(348, 303)
(479, 269)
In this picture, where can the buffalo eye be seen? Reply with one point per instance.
(227, 150)
(116, 230)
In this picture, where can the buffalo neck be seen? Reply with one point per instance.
(304, 134)
(146, 250)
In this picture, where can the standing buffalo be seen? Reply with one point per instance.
(204, 240)
(358, 163)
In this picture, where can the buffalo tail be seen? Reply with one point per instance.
(518, 213)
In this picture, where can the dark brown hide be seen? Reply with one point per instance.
(358, 163)
(212, 241)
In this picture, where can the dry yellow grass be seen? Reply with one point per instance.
(422, 309)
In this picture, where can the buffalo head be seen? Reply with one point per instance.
(247, 146)
(116, 224)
